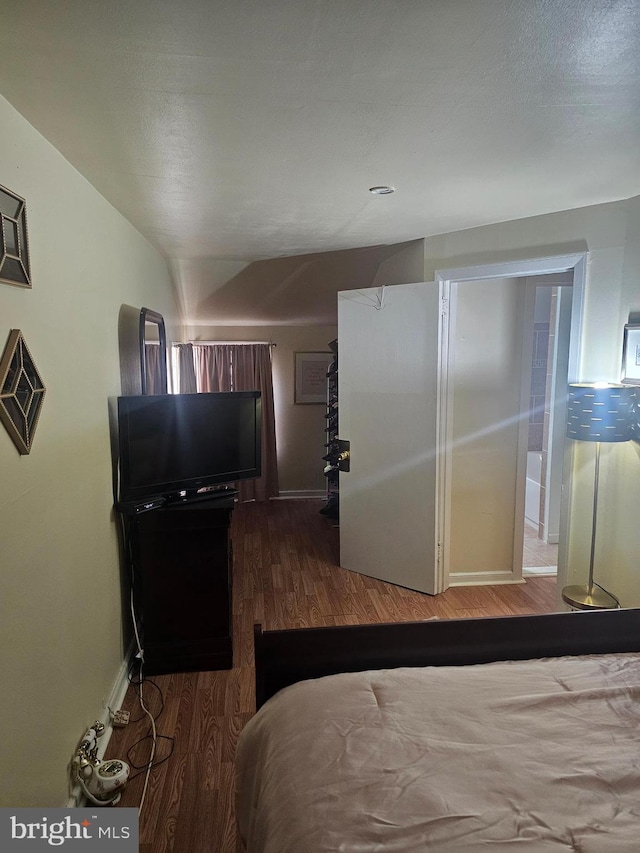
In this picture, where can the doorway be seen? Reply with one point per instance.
(562, 271)
(396, 409)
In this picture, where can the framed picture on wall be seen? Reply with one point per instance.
(631, 355)
(311, 376)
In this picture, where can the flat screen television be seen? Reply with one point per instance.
(172, 444)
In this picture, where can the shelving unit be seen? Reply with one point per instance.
(331, 457)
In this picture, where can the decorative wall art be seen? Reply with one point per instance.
(21, 392)
(631, 355)
(14, 241)
(311, 376)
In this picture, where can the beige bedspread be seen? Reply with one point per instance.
(523, 756)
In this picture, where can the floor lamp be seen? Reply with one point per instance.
(597, 412)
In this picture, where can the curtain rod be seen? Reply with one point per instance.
(234, 343)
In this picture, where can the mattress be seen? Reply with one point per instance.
(539, 755)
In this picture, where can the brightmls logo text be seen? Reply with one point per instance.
(114, 829)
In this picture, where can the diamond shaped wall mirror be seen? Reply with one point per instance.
(14, 241)
(21, 392)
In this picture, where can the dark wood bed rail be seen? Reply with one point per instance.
(284, 657)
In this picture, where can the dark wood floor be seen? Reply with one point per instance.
(286, 575)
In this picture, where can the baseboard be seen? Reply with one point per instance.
(114, 700)
(482, 578)
(294, 494)
(540, 571)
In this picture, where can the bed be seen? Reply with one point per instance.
(485, 735)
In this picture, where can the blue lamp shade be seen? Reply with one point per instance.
(600, 413)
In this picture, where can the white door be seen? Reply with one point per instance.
(388, 410)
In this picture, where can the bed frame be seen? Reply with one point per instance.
(284, 657)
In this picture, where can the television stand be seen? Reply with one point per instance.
(182, 568)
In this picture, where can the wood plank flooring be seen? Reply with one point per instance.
(286, 575)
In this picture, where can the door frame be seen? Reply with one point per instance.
(448, 278)
(557, 429)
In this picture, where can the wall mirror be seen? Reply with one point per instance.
(14, 240)
(21, 392)
(153, 352)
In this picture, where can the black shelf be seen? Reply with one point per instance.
(331, 458)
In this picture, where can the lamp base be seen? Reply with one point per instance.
(583, 598)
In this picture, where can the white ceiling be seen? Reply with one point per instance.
(239, 130)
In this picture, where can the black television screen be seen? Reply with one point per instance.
(173, 443)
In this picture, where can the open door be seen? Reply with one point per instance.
(388, 402)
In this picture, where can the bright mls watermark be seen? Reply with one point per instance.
(108, 829)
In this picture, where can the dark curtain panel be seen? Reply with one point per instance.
(213, 367)
(247, 367)
(252, 372)
(152, 355)
(186, 369)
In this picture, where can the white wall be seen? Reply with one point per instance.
(486, 405)
(300, 429)
(299, 290)
(61, 643)
(611, 235)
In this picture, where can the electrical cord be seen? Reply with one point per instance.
(617, 600)
(142, 767)
(151, 763)
(130, 759)
(154, 734)
(153, 684)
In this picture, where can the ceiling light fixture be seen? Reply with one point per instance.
(381, 190)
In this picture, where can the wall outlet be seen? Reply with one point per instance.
(120, 719)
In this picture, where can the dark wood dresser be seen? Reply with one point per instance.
(182, 571)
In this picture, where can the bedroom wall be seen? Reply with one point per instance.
(300, 428)
(300, 434)
(299, 290)
(61, 644)
(611, 235)
(485, 429)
